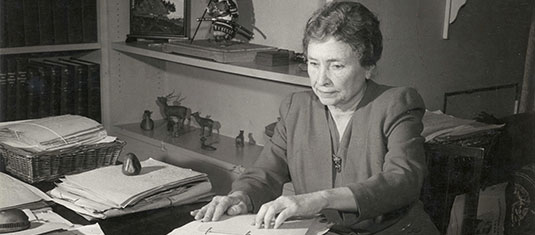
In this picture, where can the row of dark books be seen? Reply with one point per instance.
(49, 86)
(47, 22)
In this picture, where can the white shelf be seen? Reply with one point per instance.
(49, 48)
(189, 144)
(290, 74)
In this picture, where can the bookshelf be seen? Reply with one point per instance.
(38, 30)
(241, 96)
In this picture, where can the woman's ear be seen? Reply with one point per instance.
(369, 72)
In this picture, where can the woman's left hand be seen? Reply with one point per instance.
(285, 207)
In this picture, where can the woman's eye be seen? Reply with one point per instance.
(337, 66)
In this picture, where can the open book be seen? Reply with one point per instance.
(243, 225)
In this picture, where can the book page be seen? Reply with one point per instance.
(243, 225)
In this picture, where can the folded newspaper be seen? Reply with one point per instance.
(51, 133)
(107, 192)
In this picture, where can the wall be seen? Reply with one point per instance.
(486, 47)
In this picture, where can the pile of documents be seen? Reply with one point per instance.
(438, 124)
(107, 192)
(51, 133)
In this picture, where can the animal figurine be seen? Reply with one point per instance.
(147, 123)
(206, 146)
(204, 122)
(175, 126)
(181, 112)
(252, 141)
(240, 140)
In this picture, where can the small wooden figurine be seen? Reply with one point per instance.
(147, 123)
(240, 141)
(206, 146)
(204, 122)
(251, 139)
(175, 126)
(181, 112)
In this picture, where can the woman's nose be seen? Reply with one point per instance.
(323, 76)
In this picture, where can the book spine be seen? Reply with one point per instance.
(33, 92)
(81, 90)
(11, 112)
(46, 25)
(3, 90)
(31, 22)
(21, 88)
(55, 91)
(93, 92)
(74, 21)
(3, 29)
(44, 92)
(59, 17)
(67, 91)
(15, 28)
(89, 21)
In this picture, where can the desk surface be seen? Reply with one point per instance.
(152, 222)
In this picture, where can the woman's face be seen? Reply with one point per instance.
(336, 76)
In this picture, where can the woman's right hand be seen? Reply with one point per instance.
(233, 204)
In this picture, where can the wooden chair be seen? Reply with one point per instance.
(455, 167)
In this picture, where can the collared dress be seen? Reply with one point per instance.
(380, 158)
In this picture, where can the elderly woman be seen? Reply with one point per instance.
(351, 147)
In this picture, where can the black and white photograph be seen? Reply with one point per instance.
(267, 117)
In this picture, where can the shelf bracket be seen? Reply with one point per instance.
(452, 9)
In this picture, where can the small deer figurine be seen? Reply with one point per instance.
(147, 123)
(181, 112)
(204, 122)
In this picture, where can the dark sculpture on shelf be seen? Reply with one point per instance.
(180, 112)
(206, 146)
(223, 15)
(147, 123)
(240, 140)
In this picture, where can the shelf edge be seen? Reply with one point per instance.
(50, 48)
(211, 65)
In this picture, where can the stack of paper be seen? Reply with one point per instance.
(51, 133)
(106, 191)
(438, 124)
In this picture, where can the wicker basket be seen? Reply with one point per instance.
(47, 166)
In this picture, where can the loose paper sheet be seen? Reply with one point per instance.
(18, 194)
(243, 225)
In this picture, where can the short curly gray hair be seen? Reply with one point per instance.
(349, 22)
